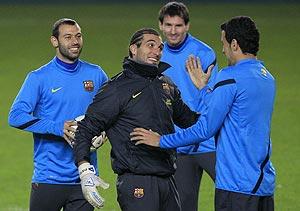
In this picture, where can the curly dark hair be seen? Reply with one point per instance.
(244, 31)
(174, 9)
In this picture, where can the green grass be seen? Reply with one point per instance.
(107, 29)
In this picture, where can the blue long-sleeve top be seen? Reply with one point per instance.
(196, 99)
(49, 96)
(240, 112)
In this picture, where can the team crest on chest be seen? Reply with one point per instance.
(88, 85)
(138, 192)
(166, 87)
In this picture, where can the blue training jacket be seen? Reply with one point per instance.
(240, 111)
(49, 96)
(193, 97)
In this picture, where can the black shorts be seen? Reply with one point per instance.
(231, 201)
(50, 197)
(147, 193)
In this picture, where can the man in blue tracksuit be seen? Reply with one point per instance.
(239, 111)
(50, 98)
(179, 45)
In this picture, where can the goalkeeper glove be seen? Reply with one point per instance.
(97, 141)
(89, 183)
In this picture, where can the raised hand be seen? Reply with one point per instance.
(197, 75)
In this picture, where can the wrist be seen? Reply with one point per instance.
(85, 168)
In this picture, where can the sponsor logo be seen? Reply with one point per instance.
(89, 182)
(138, 193)
(168, 102)
(88, 85)
(55, 90)
(98, 199)
(135, 95)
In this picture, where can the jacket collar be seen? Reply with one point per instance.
(144, 70)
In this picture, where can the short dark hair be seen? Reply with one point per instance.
(58, 23)
(174, 9)
(244, 31)
(137, 37)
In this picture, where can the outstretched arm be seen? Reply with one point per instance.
(207, 125)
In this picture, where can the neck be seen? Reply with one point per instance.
(245, 56)
(179, 45)
(65, 60)
(69, 66)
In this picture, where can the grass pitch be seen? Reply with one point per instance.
(25, 31)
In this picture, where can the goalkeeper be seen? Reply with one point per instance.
(138, 96)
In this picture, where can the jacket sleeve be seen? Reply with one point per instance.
(21, 114)
(208, 123)
(100, 115)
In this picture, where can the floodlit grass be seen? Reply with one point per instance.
(25, 32)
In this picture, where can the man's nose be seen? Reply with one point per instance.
(173, 30)
(75, 40)
(157, 51)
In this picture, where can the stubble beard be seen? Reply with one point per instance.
(70, 56)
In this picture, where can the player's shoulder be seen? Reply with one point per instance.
(227, 72)
(120, 80)
(225, 76)
(91, 68)
(118, 77)
(200, 45)
(90, 65)
(166, 79)
(41, 71)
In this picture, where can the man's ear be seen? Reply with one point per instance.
(160, 25)
(133, 49)
(234, 45)
(187, 27)
(54, 41)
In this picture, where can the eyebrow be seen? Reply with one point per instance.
(175, 24)
(72, 34)
(150, 41)
(161, 43)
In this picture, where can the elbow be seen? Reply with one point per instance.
(11, 120)
(15, 120)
